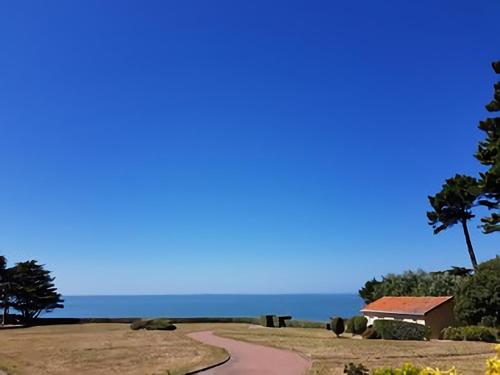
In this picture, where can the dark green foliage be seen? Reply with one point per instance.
(415, 283)
(369, 290)
(453, 204)
(479, 296)
(359, 325)
(489, 321)
(371, 334)
(349, 325)
(470, 333)
(337, 326)
(488, 154)
(153, 324)
(304, 324)
(399, 330)
(356, 369)
(4, 288)
(33, 290)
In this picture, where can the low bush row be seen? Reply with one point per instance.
(470, 333)
(399, 330)
(153, 324)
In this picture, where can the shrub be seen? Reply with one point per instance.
(406, 369)
(479, 296)
(359, 324)
(304, 324)
(337, 326)
(493, 364)
(356, 369)
(371, 334)
(153, 324)
(469, 333)
(349, 325)
(488, 321)
(356, 325)
(399, 330)
(409, 369)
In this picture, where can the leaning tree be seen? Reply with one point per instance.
(453, 205)
(488, 154)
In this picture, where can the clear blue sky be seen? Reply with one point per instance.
(229, 146)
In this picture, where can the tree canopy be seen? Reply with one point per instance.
(453, 204)
(28, 288)
(488, 154)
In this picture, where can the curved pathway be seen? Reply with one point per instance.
(252, 359)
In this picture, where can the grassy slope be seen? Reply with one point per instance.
(115, 349)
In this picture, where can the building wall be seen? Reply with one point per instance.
(439, 318)
(419, 319)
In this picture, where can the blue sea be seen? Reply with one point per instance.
(318, 307)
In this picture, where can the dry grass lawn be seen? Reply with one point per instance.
(115, 349)
(329, 354)
(101, 349)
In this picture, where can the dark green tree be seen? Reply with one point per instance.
(488, 154)
(33, 290)
(478, 298)
(4, 288)
(368, 291)
(453, 205)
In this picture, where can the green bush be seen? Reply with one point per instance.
(479, 296)
(399, 330)
(406, 369)
(356, 369)
(305, 324)
(470, 333)
(337, 326)
(356, 325)
(349, 325)
(359, 324)
(153, 324)
(489, 321)
(370, 334)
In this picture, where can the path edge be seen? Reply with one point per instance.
(217, 364)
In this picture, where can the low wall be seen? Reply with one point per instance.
(51, 321)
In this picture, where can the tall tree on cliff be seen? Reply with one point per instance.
(488, 154)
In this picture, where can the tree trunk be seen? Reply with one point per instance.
(469, 244)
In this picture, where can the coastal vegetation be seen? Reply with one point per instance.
(461, 194)
(477, 296)
(29, 289)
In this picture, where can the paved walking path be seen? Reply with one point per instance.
(252, 359)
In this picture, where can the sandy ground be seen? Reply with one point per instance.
(252, 359)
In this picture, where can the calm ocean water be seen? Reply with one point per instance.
(301, 306)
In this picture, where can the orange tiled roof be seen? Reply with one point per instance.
(405, 305)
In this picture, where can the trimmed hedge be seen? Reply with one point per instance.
(470, 333)
(356, 325)
(399, 330)
(337, 326)
(305, 324)
(153, 324)
(359, 324)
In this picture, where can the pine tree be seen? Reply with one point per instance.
(488, 154)
(33, 290)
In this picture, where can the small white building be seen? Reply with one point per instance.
(435, 312)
